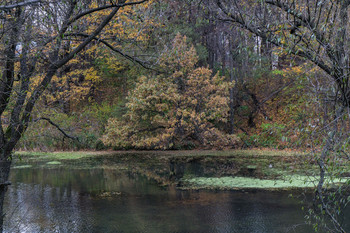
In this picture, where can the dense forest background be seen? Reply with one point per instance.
(172, 75)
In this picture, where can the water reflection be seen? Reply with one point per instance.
(106, 200)
(37, 208)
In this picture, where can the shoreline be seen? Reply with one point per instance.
(190, 170)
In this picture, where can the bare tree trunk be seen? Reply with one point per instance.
(4, 175)
(321, 191)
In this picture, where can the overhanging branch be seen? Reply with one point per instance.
(58, 127)
(114, 49)
(20, 4)
(309, 23)
(104, 8)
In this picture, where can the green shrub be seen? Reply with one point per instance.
(271, 136)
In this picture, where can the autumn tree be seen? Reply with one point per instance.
(128, 33)
(181, 108)
(316, 32)
(35, 36)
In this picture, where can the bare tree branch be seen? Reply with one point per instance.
(58, 127)
(114, 49)
(20, 4)
(104, 8)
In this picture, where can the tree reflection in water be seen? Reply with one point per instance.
(105, 200)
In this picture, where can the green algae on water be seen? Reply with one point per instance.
(291, 181)
(54, 163)
(22, 166)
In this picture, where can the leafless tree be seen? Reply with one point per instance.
(317, 32)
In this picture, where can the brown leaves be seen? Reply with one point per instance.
(175, 110)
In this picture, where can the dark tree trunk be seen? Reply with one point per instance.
(4, 182)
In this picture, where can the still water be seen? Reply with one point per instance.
(107, 200)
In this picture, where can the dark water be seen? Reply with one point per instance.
(107, 200)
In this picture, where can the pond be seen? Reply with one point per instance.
(109, 200)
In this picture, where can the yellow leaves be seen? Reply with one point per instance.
(74, 85)
(91, 51)
(294, 71)
(131, 22)
(92, 75)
